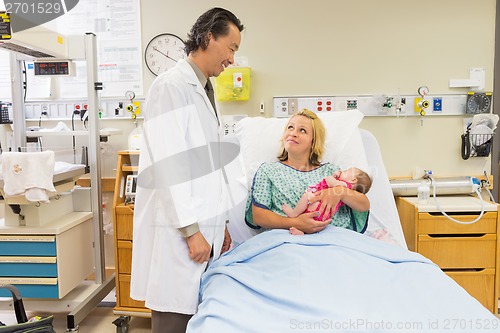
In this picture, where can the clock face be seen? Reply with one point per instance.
(478, 103)
(163, 52)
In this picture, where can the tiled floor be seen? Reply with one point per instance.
(100, 320)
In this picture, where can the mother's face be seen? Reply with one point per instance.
(298, 136)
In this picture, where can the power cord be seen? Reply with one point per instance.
(476, 189)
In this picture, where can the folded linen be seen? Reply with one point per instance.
(29, 174)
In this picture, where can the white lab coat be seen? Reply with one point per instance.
(178, 119)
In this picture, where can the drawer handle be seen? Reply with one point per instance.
(463, 269)
(455, 213)
(456, 235)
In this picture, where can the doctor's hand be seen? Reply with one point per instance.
(227, 242)
(199, 249)
(308, 225)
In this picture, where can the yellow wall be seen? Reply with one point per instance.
(357, 47)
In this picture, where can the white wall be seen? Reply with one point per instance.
(357, 47)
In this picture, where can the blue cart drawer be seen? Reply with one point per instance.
(27, 245)
(28, 266)
(32, 287)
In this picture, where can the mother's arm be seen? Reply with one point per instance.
(304, 222)
(330, 198)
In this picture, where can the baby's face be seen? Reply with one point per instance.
(348, 175)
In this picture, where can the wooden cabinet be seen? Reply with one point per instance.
(123, 221)
(468, 253)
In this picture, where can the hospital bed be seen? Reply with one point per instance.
(335, 280)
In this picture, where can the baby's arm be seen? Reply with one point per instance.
(300, 207)
(331, 181)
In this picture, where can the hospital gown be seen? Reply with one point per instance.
(276, 184)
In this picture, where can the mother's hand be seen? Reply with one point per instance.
(308, 225)
(304, 222)
(329, 198)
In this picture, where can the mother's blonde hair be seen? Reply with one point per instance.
(318, 142)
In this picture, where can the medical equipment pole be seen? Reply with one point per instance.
(95, 154)
(18, 106)
(79, 313)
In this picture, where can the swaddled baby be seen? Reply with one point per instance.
(352, 178)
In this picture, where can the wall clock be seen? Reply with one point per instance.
(163, 52)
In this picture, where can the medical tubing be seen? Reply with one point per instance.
(74, 139)
(490, 194)
(465, 145)
(451, 218)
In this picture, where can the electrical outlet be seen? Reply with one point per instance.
(352, 104)
(119, 110)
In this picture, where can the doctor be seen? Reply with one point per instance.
(179, 221)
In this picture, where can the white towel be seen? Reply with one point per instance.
(29, 174)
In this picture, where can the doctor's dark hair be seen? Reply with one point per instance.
(318, 142)
(215, 21)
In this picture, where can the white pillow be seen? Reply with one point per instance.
(259, 140)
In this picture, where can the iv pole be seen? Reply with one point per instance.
(81, 311)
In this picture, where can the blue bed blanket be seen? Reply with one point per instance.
(333, 281)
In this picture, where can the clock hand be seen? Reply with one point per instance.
(166, 55)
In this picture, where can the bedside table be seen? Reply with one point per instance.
(468, 253)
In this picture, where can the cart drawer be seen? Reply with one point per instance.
(12, 245)
(124, 299)
(124, 257)
(479, 284)
(432, 223)
(28, 266)
(472, 251)
(124, 222)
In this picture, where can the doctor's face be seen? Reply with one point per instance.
(298, 136)
(220, 51)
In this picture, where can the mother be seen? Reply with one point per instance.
(299, 166)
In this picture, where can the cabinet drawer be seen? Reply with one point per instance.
(480, 285)
(13, 245)
(459, 252)
(28, 266)
(124, 299)
(124, 257)
(124, 222)
(32, 287)
(429, 223)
